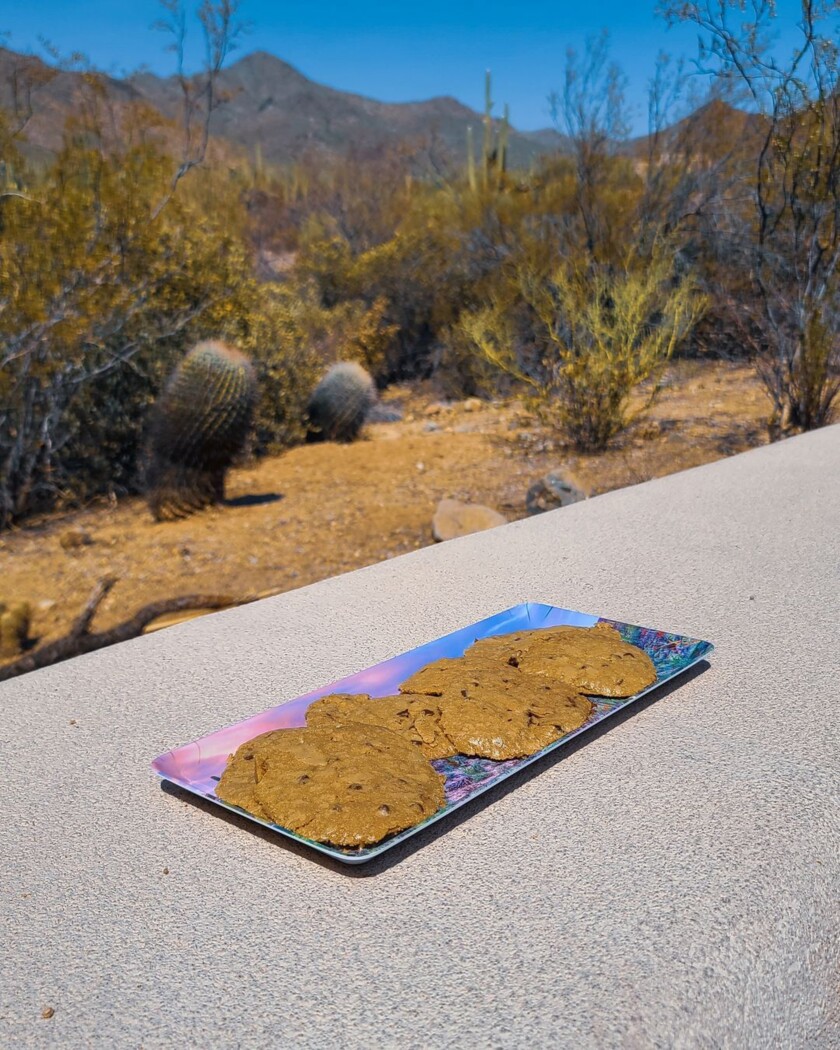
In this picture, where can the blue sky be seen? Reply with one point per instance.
(391, 51)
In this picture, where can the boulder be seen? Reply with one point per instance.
(454, 518)
(550, 492)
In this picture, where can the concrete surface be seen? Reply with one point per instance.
(672, 882)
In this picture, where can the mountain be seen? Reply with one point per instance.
(268, 104)
(272, 107)
(272, 104)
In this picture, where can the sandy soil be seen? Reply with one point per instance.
(320, 510)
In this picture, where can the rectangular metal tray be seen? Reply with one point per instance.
(197, 766)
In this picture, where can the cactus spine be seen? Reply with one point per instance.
(199, 425)
(340, 403)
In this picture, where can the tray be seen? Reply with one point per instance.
(197, 766)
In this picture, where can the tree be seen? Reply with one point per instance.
(94, 267)
(789, 242)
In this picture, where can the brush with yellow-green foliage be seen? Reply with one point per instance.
(594, 335)
(200, 424)
(107, 280)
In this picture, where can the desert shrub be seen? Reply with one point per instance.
(105, 288)
(787, 238)
(594, 335)
(277, 334)
(461, 371)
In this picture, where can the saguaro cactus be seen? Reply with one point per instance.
(494, 144)
(199, 425)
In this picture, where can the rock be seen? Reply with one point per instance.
(384, 414)
(454, 518)
(472, 404)
(550, 492)
(430, 427)
(438, 407)
(72, 539)
(173, 619)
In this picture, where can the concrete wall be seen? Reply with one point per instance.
(672, 881)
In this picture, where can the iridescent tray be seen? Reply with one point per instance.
(198, 766)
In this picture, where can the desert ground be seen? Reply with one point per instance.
(321, 510)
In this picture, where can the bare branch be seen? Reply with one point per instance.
(80, 640)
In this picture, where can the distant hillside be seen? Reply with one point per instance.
(56, 96)
(271, 105)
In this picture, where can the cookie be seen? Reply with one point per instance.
(488, 730)
(511, 716)
(564, 709)
(597, 662)
(594, 660)
(417, 718)
(350, 786)
(454, 675)
(238, 782)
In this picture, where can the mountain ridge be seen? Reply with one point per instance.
(269, 103)
(271, 107)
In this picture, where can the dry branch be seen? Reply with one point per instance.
(79, 638)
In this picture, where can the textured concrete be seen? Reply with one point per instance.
(671, 882)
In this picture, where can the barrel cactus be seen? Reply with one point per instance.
(199, 425)
(340, 403)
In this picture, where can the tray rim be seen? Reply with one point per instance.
(372, 852)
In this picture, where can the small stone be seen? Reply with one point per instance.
(73, 539)
(166, 871)
(421, 466)
(73, 722)
(649, 431)
(430, 427)
(454, 518)
(432, 410)
(384, 414)
(472, 404)
(47, 604)
(47, 1013)
(551, 492)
